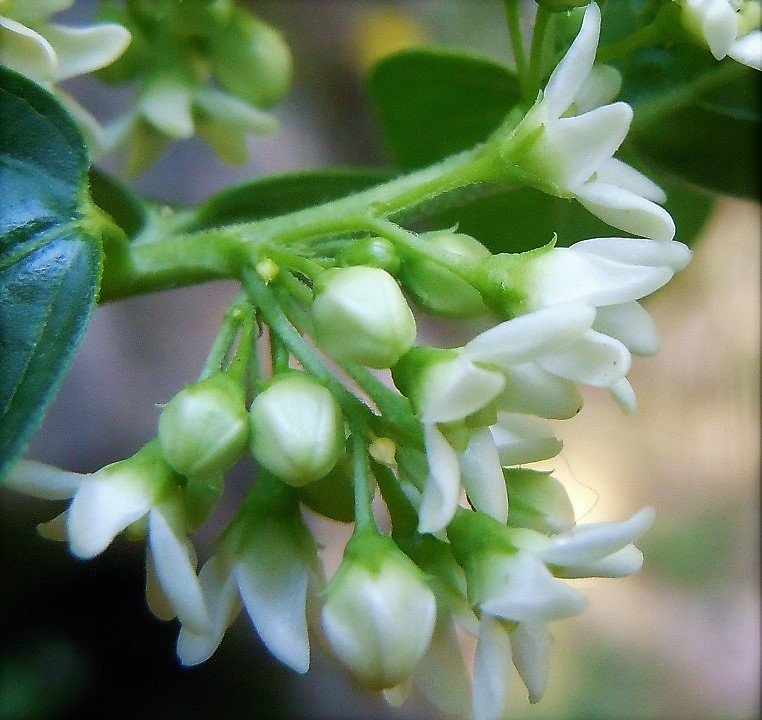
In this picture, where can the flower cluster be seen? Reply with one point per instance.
(478, 541)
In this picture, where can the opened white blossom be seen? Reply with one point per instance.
(512, 583)
(727, 28)
(608, 274)
(379, 613)
(269, 565)
(115, 499)
(566, 149)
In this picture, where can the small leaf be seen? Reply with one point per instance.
(280, 194)
(49, 264)
(129, 211)
(432, 103)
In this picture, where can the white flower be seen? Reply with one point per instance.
(269, 565)
(567, 150)
(609, 275)
(379, 614)
(111, 500)
(727, 27)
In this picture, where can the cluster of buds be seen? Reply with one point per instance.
(478, 541)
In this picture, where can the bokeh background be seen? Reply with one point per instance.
(679, 641)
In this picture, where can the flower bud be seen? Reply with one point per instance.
(203, 429)
(361, 316)
(438, 290)
(379, 613)
(251, 60)
(536, 500)
(297, 431)
(373, 252)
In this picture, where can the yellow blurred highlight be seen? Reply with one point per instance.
(379, 32)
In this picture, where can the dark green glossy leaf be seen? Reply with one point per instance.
(282, 194)
(49, 264)
(433, 103)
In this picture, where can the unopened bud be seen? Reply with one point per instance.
(297, 430)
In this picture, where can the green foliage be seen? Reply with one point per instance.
(431, 103)
(49, 262)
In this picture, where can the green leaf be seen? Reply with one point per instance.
(714, 142)
(431, 103)
(280, 194)
(129, 211)
(49, 264)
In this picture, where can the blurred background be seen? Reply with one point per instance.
(680, 641)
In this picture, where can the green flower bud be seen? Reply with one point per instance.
(251, 60)
(379, 613)
(297, 430)
(361, 316)
(536, 500)
(373, 252)
(203, 429)
(438, 290)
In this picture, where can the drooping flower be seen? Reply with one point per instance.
(117, 499)
(727, 27)
(267, 562)
(566, 149)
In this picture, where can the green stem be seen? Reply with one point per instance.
(653, 33)
(534, 72)
(190, 257)
(649, 112)
(403, 515)
(231, 323)
(364, 519)
(513, 16)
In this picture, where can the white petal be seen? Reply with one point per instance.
(43, 481)
(601, 86)
(616, 172)
(492, 670)
(595, 359)
(54, 529)
(102, 508)
(748, 50)
(531, 651)
(638, 251)
(440, 495)
(272, 577)
(570, 74)
(621, 563)
(570, 150)
(81, 50)
(441, 675)
(482, 476)
(626, 210)
(622, 394)
(221, 596)
(564, 275)
(521, 439)
(157, 601)
(167, 104)
(26, 51)
(591, 542)
(457, 388)
(719, 26)
(234, 112)
(175, 566)
(520, 588)
(533, 391)
(526, 337)
(631, 325)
